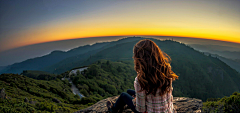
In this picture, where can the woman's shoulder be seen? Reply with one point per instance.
(136, 80)
(136, 83)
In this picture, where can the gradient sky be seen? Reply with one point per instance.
(37, 21)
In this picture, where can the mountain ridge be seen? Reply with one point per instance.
(49, 59)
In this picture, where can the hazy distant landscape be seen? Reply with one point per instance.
(110, 72)
(229, 55)
(224, 51)
(8, 57)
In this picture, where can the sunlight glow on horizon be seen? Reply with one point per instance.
(61, 32)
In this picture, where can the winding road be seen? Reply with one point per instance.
(73, 87)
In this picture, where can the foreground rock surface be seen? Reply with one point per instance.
(181, 104)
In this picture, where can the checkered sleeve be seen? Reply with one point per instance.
(140, 97)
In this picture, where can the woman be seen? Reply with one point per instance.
(153, 84)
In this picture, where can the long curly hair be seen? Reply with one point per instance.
(153, 67)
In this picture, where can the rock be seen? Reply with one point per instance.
(181, 104)
(33, 102)
(56, 100)
(26, 100)
(3, 94)
(184, 104)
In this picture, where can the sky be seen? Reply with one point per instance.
(37, 21)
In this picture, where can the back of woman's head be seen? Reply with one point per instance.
(153, 67)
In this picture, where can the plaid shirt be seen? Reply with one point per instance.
(153, 104)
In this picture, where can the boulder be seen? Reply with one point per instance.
(181, 104)
(33, 102)
(26, 100)
(56, 100)
(184, 104)
(3, 94)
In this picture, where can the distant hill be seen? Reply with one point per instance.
(235, 64)
(86, 58)
(2, 67)
(237, 60)
(225, 51)
(228, 54)
(212, 47)
(8, 57)
(54, 57)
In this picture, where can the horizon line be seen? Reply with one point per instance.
(127, 36)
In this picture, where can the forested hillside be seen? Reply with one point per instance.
(200, 85)
(102, 79)
(22, 94)
(229, 104)
(39, 75)
(105, 78)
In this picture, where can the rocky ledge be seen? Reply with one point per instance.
(181, 104)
